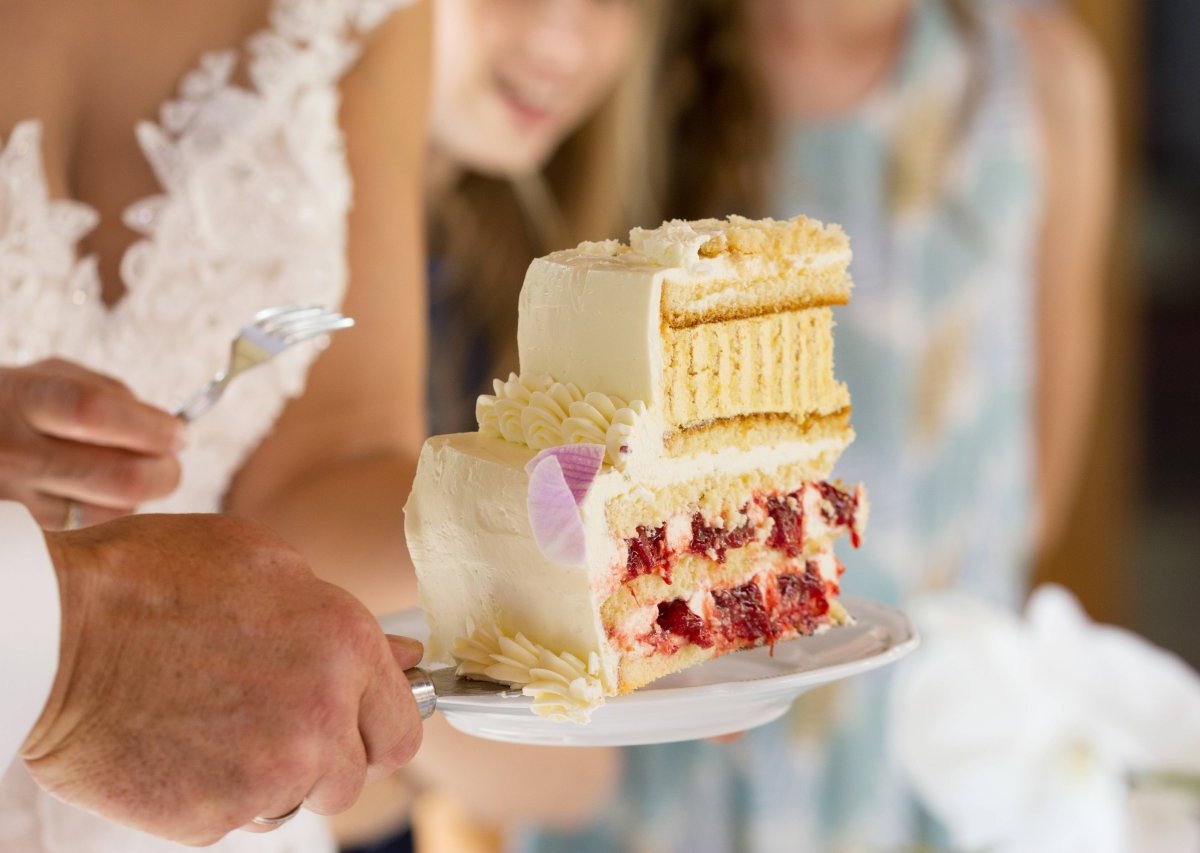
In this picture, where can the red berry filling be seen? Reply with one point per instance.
(648, 553)
(741, 613)
(675, 617)
(787, 532)
(747, 615)
(802, 599)
(713, 542)
(840, 508)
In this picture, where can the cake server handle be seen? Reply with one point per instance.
(423, 691)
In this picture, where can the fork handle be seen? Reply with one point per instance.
(423, 691)
(203, 400)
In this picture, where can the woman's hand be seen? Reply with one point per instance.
(68, 434)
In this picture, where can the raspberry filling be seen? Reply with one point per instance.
(675, 617)
(840, 508)
(649, 553)
(787, 533)
(740, 613)
(753, 614)
(803, 600)
(713, 542)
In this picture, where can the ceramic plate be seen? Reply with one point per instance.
(729, 694)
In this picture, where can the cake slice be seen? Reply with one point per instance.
(652, 490)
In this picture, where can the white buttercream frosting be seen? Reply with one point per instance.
(562, 686)
(601, 247)
(673, 244)
(538, 412)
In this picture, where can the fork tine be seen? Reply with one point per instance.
(277, 310)
(303, 333)
(293, 314)
(293, 324)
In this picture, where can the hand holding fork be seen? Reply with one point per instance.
(78, 448)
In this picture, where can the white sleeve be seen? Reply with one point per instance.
(30, 617)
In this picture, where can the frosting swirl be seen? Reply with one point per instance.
(538, 412)
(562, 687)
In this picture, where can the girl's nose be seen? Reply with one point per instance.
(556, 40)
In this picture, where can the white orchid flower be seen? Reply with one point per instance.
(1029, 735)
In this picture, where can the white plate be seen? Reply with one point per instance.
(729, 694)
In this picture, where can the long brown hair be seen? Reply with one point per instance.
(713, 140)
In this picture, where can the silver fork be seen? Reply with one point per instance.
(272, 331)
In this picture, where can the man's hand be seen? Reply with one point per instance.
(70, 435)
(206, 678)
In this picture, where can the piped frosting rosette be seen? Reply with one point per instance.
(540, 413)
(563, 687)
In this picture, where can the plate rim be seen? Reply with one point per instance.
(762, 688)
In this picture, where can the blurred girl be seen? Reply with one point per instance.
(533, 147)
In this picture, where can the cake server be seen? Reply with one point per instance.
(428, 685)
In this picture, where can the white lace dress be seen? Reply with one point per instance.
(252, 213)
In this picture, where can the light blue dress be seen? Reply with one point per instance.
(938, 188)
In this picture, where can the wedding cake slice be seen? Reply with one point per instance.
(652, 490)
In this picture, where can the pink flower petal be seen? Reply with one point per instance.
(554, 514)
(579, 463)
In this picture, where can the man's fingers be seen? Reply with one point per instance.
(388, 718)
(338, 788)
(104, 476)
(405, 650)
(95, 413)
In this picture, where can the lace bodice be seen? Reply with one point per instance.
(252, 212)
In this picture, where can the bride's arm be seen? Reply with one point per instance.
(334, 474)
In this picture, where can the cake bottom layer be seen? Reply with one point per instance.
(691, 588)
(788, 600)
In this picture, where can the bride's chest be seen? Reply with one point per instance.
(89, 73)
(141, 232)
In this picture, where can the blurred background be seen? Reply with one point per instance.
(1132, 548)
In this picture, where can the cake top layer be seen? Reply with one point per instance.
(725, 313)
(700, 246)
(736, 250)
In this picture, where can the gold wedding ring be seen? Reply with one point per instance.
(275, 822)
(74, 516)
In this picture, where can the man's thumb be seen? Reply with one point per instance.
(405, 650)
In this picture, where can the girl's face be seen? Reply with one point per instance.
(512, 78)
